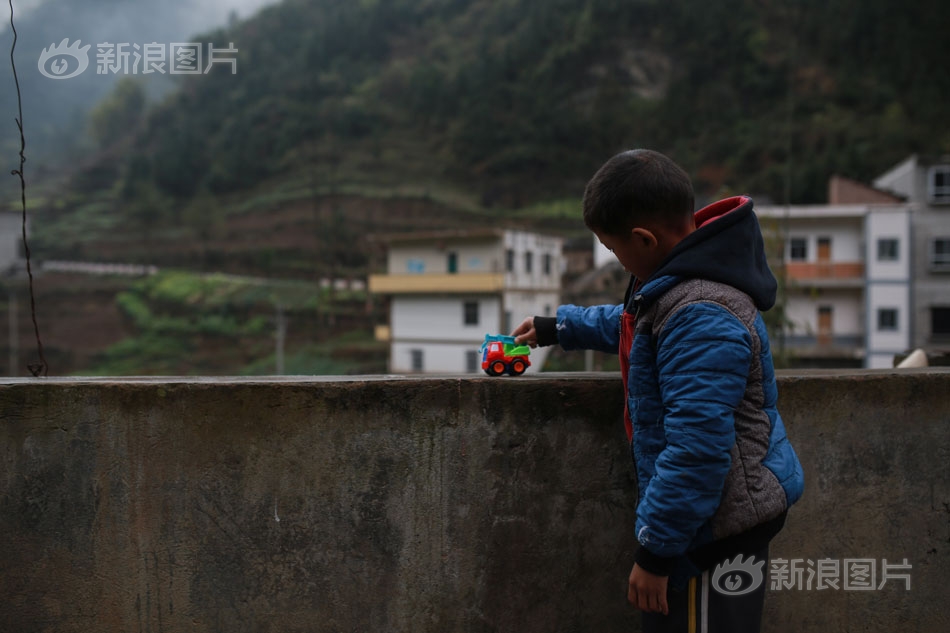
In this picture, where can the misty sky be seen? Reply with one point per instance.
(192, 15)
(56, 110)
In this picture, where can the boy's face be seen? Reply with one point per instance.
(634, 251)
(625, 249)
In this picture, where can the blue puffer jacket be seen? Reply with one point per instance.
(712, 457)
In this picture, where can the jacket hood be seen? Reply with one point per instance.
(726, 247)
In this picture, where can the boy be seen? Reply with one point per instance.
(716, 471)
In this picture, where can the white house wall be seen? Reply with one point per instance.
(889, 224)
(539, 246)
(931, 287)
(442, 318)
(472, 257)
(441, 358)
(846, 312)
(888, 296)
(433, 325)
(524, 304)
(846, 243)
(905, 180)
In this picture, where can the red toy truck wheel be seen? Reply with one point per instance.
(496, 368)
(517, 367)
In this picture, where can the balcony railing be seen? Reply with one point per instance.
(436, 283)
(826, 345)
(825, 273)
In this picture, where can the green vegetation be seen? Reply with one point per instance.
(219, 324)
(118, 113)
(483, 105)
(352, 353)
(350, 118)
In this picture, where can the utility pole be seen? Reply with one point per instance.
(14, 328)
(281, 336)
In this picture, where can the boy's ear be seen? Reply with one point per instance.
(644, 237)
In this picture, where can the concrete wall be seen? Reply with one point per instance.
(430, 504)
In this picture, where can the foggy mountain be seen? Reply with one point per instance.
(54, 109)
(350, 118)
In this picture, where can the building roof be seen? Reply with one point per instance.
(843, 190)
(444, 234)
(813, 211)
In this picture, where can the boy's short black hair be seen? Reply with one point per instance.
(634, 187)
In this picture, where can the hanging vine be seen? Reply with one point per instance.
(41, 367)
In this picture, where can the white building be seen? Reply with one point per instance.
(848, 281)
(11, 241)
(925, 183)
(871, 280)
(448, 289)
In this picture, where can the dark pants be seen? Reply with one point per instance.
(707, 604)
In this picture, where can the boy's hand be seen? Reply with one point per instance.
(525, 333)
(647, 591)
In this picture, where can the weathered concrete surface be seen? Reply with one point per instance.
(431, 504)
(875, 447)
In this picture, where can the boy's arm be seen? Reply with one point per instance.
(703, 359)
(575, 327)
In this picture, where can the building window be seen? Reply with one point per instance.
(547, 309)
(887, 250)
(453, 263)
(546, 263)
(507, 327)
(798, 249)
(940, 253)
(528, 261)
(471, 361)
(416, 363)
(471, 313)
(415, 266)
(510, 260)
(938, 184)
(887, 319)
(940, 322)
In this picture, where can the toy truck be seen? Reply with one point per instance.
(501, 355)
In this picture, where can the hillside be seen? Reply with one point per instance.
(346, 119)
(482, 106)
